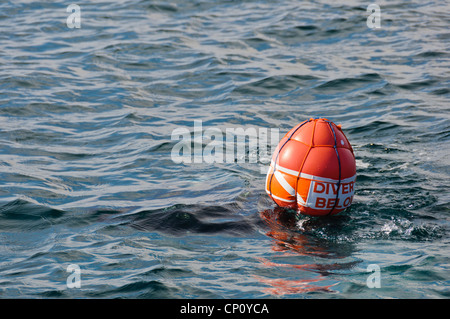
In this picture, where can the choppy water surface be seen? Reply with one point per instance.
(87, 178)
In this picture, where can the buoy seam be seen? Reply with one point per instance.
(339, 163)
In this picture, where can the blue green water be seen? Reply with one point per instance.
(87, 177)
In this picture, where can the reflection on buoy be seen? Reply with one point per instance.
(313, 169)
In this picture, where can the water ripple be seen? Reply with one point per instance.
(86, 122)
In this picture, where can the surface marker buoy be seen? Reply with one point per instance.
(313, 169)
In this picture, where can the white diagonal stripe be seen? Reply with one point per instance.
(287, 187)
(279, 198)
(300, 200)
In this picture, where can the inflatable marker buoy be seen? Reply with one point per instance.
(313, 169)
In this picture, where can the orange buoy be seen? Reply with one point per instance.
(313, 169)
